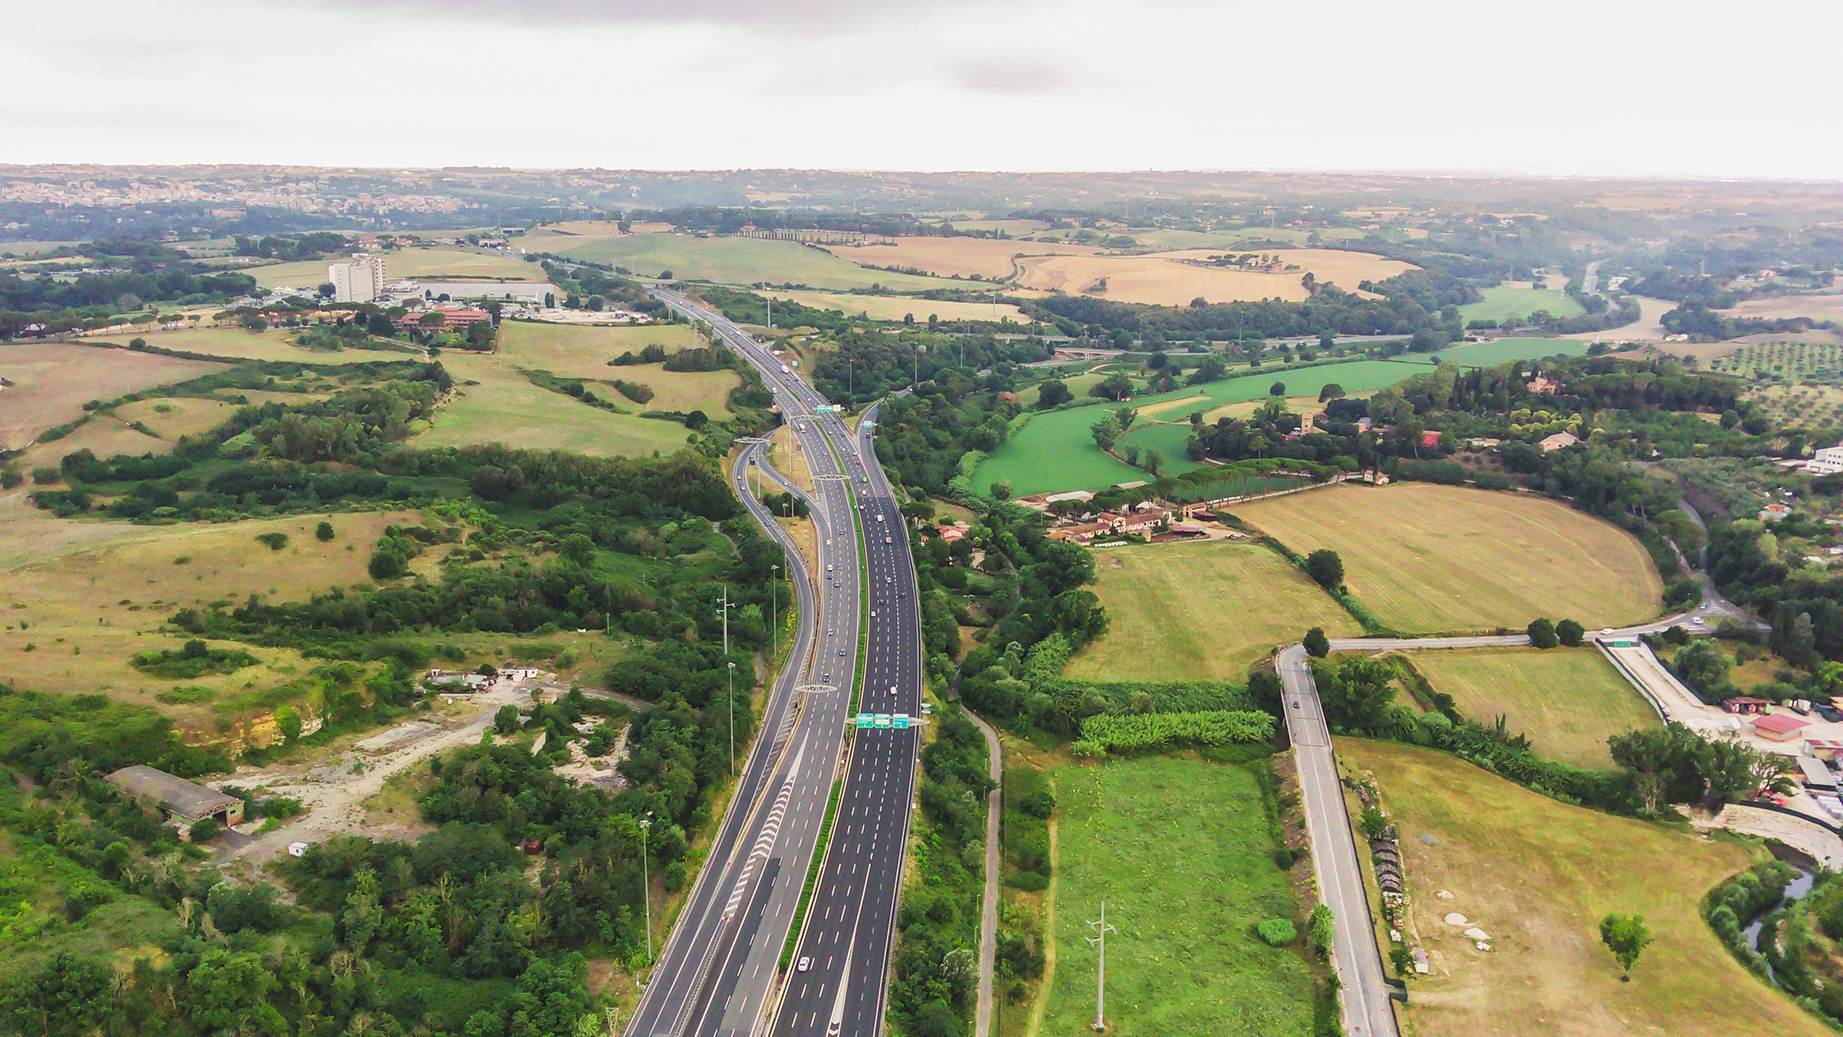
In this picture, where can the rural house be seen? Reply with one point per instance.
(1774, 512)
(180, 798)
(1558, 441)
(1779, 727)
(1745, 704)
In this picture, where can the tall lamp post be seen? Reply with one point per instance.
(732, 720)
(774, 607)
(646, 885)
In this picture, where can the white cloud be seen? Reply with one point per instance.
(1567, 87)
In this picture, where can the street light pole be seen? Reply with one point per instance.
(726, 619)
(774, 607)
(646, 885)
(1101, 928)
(732, 672)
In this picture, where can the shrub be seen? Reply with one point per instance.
(206, 830)
(324, 531)
(1028, 881)
(1276, 932)
(1153, 730)
(1317, 645)
(276, 541)
(1319, 929)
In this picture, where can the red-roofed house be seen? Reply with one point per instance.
(1430, 439)
(1779, 727)
(1745, 704)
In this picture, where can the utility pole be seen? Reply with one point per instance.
(1099, 940)
(732, 720)
(774, 611)
(770, 313)
(646, 885)
(726, 619)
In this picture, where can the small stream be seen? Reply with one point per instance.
(1798, 890)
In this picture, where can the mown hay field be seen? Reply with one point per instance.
(1162, 278)
(453, 263)
(731, 260)
(989, 258)
(503, 406)
(1568, 701)
(50, 382)
(896, 307)
(1537, 875)
(1429, 558)
(1200, 610)
(1181, 852)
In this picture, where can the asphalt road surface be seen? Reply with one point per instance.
(718, 969)
(718, 973)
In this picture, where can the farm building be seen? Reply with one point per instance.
(1779, 727)
(1745, 704)
(177, 796)
(1816, 775)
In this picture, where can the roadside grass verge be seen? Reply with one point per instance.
(1537, 875)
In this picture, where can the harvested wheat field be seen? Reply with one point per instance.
(988, 258)
(896, 307)
(1429, 558)
(50, 381)
(1166, 279)
(1785, 307)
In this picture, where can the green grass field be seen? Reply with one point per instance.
(1180, 851)
(505, 407)
(1537, 875)
(1429, 558)
(584, 352)
(1505, 301)
(1490, 354)
(1568, 701)
(730, 261)
(1166, 603)
(1055, 451)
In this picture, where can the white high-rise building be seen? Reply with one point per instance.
(361, 280)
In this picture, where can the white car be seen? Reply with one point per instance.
(804, 965)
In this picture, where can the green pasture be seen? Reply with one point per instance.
(1502, 302)
(1504, 350)
(1180, 851)
(1055, 450)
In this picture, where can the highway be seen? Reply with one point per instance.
(718, 969)
(718, 973)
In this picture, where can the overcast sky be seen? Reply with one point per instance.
(1672, 87)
